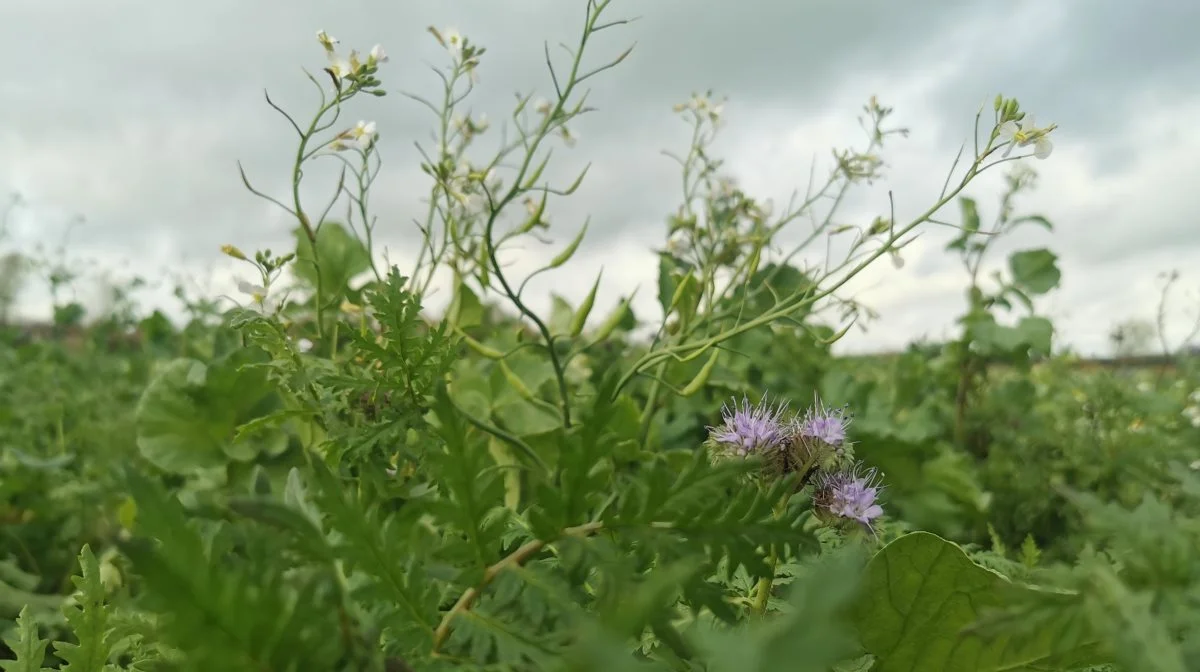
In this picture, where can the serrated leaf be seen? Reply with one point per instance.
(88, 620)
(29, 649)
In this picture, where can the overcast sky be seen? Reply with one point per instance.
(133, 114)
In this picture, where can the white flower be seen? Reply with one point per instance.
(1194, 397)
(257, 292)
(569, 137)
(304, 345)
(453, 41)
(716, 112)
(326, 40)
(1144, 386)
(377, 55)
(542, 106)
(341, 68)
(1024, 134)
(360, 137)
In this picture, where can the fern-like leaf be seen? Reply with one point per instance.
(28, 647)
(88, 620)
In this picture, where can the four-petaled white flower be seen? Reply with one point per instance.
(259, 295)
(1024, 134)
(377, 55)
(348, 66)
(256, 292)
(453, 40)
(326, 40)
(360, 137)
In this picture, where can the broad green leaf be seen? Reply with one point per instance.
(1035, 271)
(470, 389)
(561, 314)
(188, 416)
(1037, 333)
(465, 309)
(921, 598)
(524, 418)
(340, 254)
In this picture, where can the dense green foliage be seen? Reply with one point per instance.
(342, 481)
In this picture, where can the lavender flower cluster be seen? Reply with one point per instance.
(808, 443)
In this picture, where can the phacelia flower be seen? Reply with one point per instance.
(750, 430)
(827, 425)
(850, 494)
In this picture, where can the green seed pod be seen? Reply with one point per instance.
(701, 378)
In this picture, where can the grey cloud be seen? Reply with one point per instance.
(136, 113)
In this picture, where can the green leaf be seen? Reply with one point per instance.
(561, 314)
(810, 636)
(88, 620)
(189, 414)
(466, 310)
(1032, 219)
(27, 646)
(341, 256)
(921, 600)
(229, 611)
(970, 223)
(1035, 271)
(1037, 333)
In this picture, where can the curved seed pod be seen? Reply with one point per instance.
(701, 378)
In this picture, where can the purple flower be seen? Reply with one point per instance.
(750, 430)
(850, 494)
(827, 425)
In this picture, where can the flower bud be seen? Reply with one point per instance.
(231, 251)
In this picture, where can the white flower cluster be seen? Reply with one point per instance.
(348, 66)
(1192, 410)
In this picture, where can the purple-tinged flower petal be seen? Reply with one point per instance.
(827, 425)
(850, 494)
(749, 430)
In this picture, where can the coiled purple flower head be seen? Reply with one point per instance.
(750, 430)
(850, 494)
(827, 425)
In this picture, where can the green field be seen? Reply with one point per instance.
(328, 476)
